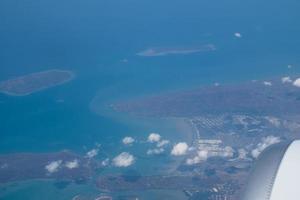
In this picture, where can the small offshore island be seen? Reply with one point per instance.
(35, 82)
(164, 51)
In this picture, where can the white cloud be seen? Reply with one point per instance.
(105, 162)
(227, 152)
(242, 154)
(72, 164)
(202, 155)
(92, 153)
(210, 148)
(154, 137)
(290, 66)
(266, 141)
(155, 151)
(206, 152)
(53, 166)
(180, 149)
(163, 143)
(267, 83)
(286, 79)
(192, 161)
(123, 160)
(297, 82)
(255, 153)
(238, 35)
(128, 140)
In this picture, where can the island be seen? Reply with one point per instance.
(164, 51)
(35, 82)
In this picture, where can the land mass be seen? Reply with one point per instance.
(160, 51)
(35, 82)
(253, 97)
(233, 125)
(27, 166)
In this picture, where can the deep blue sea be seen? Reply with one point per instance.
(99, 40)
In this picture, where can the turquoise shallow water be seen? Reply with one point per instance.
(93, 39)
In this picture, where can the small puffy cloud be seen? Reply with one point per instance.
(201, 156)
(207, 149)
(289, 66)
(192, 161)
(266, 141)
(242, 154)
(72, 164)
(92, 153)
(105, 162)
(155, 151)
(123, 160)
(255, 153)
(53, 166)
(154, 137)
(162, 143)
(286, 79)
(227, 152)
(267, 83)
(297, 82)
(128, 140)
(179, 149)
(238, 35)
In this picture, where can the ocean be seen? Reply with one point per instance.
(99, 40)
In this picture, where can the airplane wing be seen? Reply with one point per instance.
(276, 175)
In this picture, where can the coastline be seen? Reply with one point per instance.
(185, 128)
(187, 132)
(173, 129)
